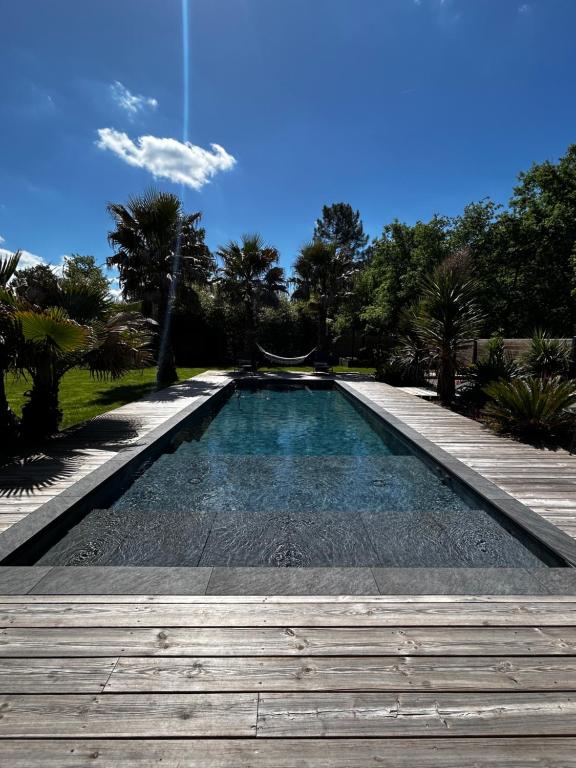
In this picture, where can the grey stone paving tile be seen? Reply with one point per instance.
(457, 581)
(122, 580)
(557, 581)
(132, 537)
(19, 579)
(411, 539)
(292, 581)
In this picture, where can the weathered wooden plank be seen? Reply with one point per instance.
(55, 675)
(289, 614)
(369, 673)
(290, 715)
(321, 753)
(185, 600)
(128, 715)
(288, 641)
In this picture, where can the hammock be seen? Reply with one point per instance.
(277, 360)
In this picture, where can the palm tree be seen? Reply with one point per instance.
(51, 342)
(250, 276)
(9, 336)
(323, 275)
(447, 315)
(156, 245)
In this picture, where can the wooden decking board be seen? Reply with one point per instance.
(333, 715)
(55, 675)
(553, 752)
(454, 694)
(128, 715)
(288, 641)
(359, 614)
(370, 673)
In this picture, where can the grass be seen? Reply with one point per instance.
(82, 397)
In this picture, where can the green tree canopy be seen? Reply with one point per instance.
(341, 227)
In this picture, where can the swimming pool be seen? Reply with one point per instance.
(292, 476)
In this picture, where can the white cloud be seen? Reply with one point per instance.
(524, 8)
(2, 239)
(27, 259)
(114, 288)
(131, 103)
(182, 163)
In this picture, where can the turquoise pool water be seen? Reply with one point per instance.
(290, 477)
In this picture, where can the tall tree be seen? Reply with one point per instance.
(341, 227)
(81, 271)
(157, 246)
(543, 224)
(323, 275)
(401, 258)
(37, 285)
(250, 276)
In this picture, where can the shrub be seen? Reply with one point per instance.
(533, 408)
(547, 357)
(497, 365)
(448, 315)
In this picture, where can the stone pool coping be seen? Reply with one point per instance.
(129, 580)
(281, 581)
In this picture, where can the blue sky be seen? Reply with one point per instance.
(403, 108)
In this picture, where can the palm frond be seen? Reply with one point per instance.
(120, 344)
(532, 408)
(54, 329)
(8, 266)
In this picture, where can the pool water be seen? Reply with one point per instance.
(290, 477)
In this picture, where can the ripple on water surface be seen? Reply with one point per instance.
(289, 478)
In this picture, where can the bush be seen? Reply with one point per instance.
(533, 408)
(497, 365)
(405, 365)
(547, 357)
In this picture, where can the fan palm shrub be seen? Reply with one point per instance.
(52, 342)
(547, 357)
(448, 315)
(533, 408)
(9, 342)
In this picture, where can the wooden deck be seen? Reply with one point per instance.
(283, 682)
(541, 479)
(290, 682)
(79, 451)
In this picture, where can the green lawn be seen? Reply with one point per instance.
(83, 397)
